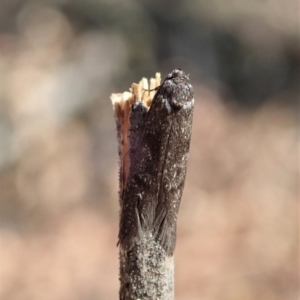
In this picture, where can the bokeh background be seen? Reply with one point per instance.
(59, 62)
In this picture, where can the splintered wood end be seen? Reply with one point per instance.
(144, 92)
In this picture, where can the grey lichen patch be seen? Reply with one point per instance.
(146, 272)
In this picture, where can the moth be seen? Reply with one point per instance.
(158, 161)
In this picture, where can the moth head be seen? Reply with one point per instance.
(178, 77)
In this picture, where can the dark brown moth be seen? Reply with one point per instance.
(158, 162)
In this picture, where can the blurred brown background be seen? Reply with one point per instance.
(59, 62)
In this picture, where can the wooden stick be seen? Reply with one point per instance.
(154, 137)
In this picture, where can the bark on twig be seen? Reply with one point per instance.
(154, 138)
